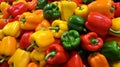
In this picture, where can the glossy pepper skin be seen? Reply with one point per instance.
(75, 60)
(55, 54)
(70, 39)
(31, 5)
(98, 23)
(22, 61)
(32, 64)
(12, 29)
(41, 4)
(116, 64)
(27, 22)
(15, 9)
(112, 53)
(8, 47)
(76, 22)
(97, 60)
(91, 41)
(117, 9)
(58, 27)
(104, 7)
(51, 11)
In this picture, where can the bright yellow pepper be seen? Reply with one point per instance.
(12, 29)
(1, 34)
(58, 27)
(67, 9)
(17, 1)
(115, 28)
(8, 46)
(38, 56)
(116, 64)
(19, 59)
(4, 5)
(82, 11)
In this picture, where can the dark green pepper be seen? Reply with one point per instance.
(70, 39)
(41, 4)
(77, 23)
(51, 11)
(111, 50)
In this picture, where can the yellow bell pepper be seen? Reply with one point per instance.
(38, 56)
(19, 59)
(58, 27)
(116, 64)
(17, 1)
(67, 9)
(115, 28)
(8, 46)
(29, 21)
(82, 11)
(12, 29)
(4, 5)
(1, 34)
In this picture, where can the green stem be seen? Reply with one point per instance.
(94, 41)
(112, 9)
(113, 31)
(3, 59)
(51, 54)
(23, 20)
(32, 45)
(54, 28)
(80, 8)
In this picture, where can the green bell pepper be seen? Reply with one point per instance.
(70, 39)
(76, 22)
(51, 11)
(111, 50)
(41, 4)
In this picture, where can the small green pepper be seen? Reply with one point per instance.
(41, 4)
(111, 50)
(51, 11)
(70, 39)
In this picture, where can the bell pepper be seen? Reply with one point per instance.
(44, 24)
(97, 60)
(87, 1)
(75, 60)
(8, 47)
(52, 65)
(56, 54)
(22, 61)
(65, 11)
(5, 13)
(104, 7)
(98, 23)
(78, 2)
(12, 29)
(24, 40)
(112, 53)
(76, 22)
(70, 39)
(32, 5)
(27, 22)
(82, 11)
(18, 1)
(4, 5)
(117, 9)
(38, 56)
(2, 1)
(2, 23)
(41, 4)
(32, 64)
(4, 64)
(91, 41)
(51, 11)
(41, 39)
(115, 29)
(116, 64)
(1, 34)
(17, 9)
(58, 27)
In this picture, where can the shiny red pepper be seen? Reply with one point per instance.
(55, 54)
(117, 9)
(78, 2)
(98, 23)
(91, 41)
(17, 9)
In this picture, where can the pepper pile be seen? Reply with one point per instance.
(59, 33)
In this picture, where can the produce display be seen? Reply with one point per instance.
(59, 33)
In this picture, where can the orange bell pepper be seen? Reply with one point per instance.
(97, 60)
(43, 24)
(32, 4)
(8, 46)
(32, 64)
(103, 6)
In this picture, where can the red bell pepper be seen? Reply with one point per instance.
(78, 2)
(117, 9)
(24, 41)
(55, 54)
(74, 60)
(2, 1)
(91, 41)
(4, 64)
(52, 65)
(17, 9)
(98, 23)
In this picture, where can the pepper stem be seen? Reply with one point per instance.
(94, 41)
(3, 59)
(23, 20)
(112, 9)
(54, 28)
(113, 31)
(32, 45)
(51, 54)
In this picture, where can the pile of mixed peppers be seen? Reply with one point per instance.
(59, 33)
